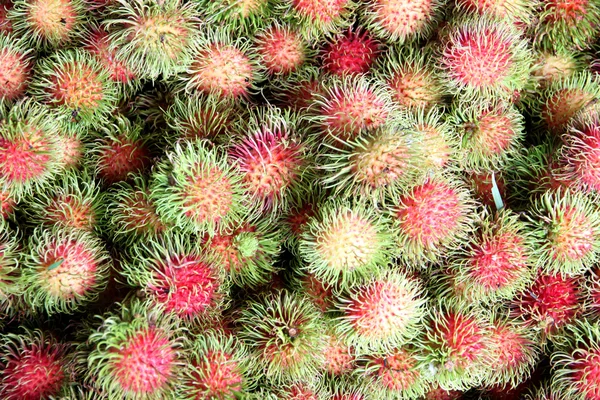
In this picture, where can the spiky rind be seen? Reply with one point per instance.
(345, 243)
(48, 24)
(153, 39)
(136, 353)
(74, 201)
(29, 152)
(35, 365)
(519, 12)
(286, 334)
(76, 87)
(566, 226)
(302, 207)
(245, 16)
(485, 58)
(217, 368)
(381, 314)
(353, 52)
(281, 49)
(72, 146)
(490, 132)
(298, 90)
(63, 270)
(15, 67)
(10, 264)
(197, 190)
(401, 21)
(433, 215)
(247, 252)
(552, 66)
(438, 142)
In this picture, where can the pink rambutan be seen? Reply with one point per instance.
(72, 149)
(340, 358)
(438, 141)
(567, 23)
(298, 391)
(15, 66)
(437, 393)
(517, 11)
(281, 49)
(10, 257)
(98, 43)
(318, 17)
(354, 52)
(551, 67)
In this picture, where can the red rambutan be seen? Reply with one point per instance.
(14, 68)
(281, 49)
(351, 53)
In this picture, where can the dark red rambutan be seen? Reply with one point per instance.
(5, 23)
(351, 53)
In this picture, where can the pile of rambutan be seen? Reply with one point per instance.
(299, 199)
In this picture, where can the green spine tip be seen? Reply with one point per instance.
(15, 67)
(10, 264)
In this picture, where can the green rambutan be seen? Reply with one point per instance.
(489, 132)
(136, 354)
(438, 142)
(552, 66)
(74, 201)
(286, 334)
(10, 257)
(484, 58)
(242, 15)
(76, 87)
(15, 68)
(345, 242)
(217, 368)
(432, 216)
(566, 227)
(48, 23)
(519, 12)
(274, 158)
(152, 38)
(35, 365)
(382, 313)
(196, 189)
(247, 252)
(281, 49)
(29, 152)
(317, 18)
(131, 213)
(353, 52)
(63, 269)
(402, 20)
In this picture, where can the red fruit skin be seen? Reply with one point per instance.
(586, 372)
(482, 186)
(221, 376)
(98, 44)
(352, 53)
(442, 394)
(146, 362)
(24, 160)
(582, 158)
(463, 337)
(325, 11)
(7, 204)
(281, 50)
(120, 157)
(14, 73)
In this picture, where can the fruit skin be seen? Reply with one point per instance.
(35, 365)
(245, 16)
(29, 152)
(153, 39)
(438, 142)
(345, 243)
(177, 276)
(402, 21)
(48, 24)
(195, 189)
(566, 227)
(381, 314)
(519, 12)
(552, 66)
(76, 87)
(483, 58)
(10, 260)
(217, 367)
(15, 67)
(136, 353)
(354, 52)
(286, 334)
(281, 49)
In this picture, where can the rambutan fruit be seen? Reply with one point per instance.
(345, 243)
(433, 215)
(196, 189)
(10, 256)
(217, 368)
(438, 142)
(131, 213)
(592, 294)
(402, 20)
(319, 293)
(243, 15)
(575, 363)
(567, 23)
(63, 269)
(8, 201)
(437, 393)
(489, 132)
(223, 67)
(297, 391)
(543, 392)
(29, 152)
(294, 221)
(552, 66)
(35, 365)
(151, 104)
(153, 39)
(74, 201)
(484, 184)
(345, 388)
(317, 18)
(274, 158)
(177, 276)
(48, 23)
(413, 82)
(350, 106)
(519, 12)
(484, 58)
(497, 262)
(398, 373)
(564, 98)
(549, 304)
(72, 149)
(566, 227)
(299, 90)
(286, 335)
(382, 313)
(247, 252)
(120, 150)
(457, 347)
(375, 164)
(15, 66)
(5, 23)
(76, 87)
(136, 353)
(340, 358)
(353, 52)
(281, 49)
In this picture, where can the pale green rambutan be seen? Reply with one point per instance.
(244, 15)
